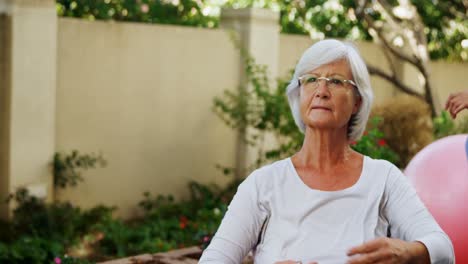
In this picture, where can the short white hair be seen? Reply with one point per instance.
(325, 52)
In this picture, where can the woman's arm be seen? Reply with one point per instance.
(415, 235)
(240, 227)
(389, 250)
(411, 221)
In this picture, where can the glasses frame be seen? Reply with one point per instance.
(327, 80)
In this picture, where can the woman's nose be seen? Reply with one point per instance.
(322, 90)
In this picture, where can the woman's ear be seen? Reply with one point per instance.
(357, 104)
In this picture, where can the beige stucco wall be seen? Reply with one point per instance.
(142, 95)
(32, 99)
(445, 77)
(5, 58)
(27, 96)
(448, 78)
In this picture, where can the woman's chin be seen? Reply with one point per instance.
(320, 121)
(320, 124)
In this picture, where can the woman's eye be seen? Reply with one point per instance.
(336, 81)
(312, 79)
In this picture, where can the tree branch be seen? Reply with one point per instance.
(390, 60)
(360, 8)
(388, 9)
(361, 14)
(394, 80)
(416, 39)
(392, 49)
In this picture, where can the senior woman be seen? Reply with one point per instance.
(328, 204)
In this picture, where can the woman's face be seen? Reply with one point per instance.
(328, 106)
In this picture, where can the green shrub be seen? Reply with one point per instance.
(166, 225)
(406, 125)
(445, 126)
(30, 249)
(186, 12)
(41, 232)
(38, 232)
(373, 144)
(60, 221)
(67, 167)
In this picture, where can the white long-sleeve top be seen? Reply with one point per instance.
(278, 216)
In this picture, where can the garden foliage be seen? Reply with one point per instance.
(67, 167)
(59, 232)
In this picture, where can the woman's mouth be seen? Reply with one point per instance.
(320, 108)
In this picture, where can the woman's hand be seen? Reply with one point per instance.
(457, 102)
(389, 250)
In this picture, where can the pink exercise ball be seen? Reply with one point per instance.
(439, 172)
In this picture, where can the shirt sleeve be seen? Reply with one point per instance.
(410, 220)
(240, 227)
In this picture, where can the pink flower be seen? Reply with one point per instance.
(144, 8)
(57, 260)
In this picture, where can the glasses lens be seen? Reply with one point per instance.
(309, 80)
(312, 79)
(335, 83)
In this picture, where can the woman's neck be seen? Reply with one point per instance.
(323, 149)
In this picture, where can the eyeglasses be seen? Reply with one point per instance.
(312, 81)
